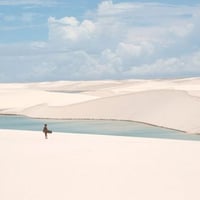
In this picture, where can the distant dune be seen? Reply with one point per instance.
(173, 103)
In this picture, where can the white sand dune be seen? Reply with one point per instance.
(169, 103)
(72, 166)
(168, 108)
(92, 167)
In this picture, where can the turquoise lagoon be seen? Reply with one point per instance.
(100, 127)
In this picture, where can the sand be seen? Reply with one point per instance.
(172, 103)
(97, 167)
(73, 166)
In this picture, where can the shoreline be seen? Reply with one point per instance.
(89, 119)
(134, 129)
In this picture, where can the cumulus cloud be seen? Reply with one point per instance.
(70, 30)
(184, 66)
(115, 41)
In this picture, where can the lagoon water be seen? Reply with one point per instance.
(101, 127)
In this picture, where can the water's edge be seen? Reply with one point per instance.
(120, 120)
(94, 126)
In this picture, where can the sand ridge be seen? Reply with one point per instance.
(168, 103)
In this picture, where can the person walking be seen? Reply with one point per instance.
(46, 131)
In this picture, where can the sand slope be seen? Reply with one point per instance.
(173, 109)
(169, 103)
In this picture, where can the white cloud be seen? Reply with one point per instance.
(70, 29)
(127, 23)
(107, 8)
(135, 39)
(181, 31)
(122, 40)
(172, 67)
(72, 21)
(127, 50)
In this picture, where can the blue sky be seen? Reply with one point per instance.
(49, 40)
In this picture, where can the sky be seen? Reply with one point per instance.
(51, 40)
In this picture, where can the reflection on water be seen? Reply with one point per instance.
(101, 127)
